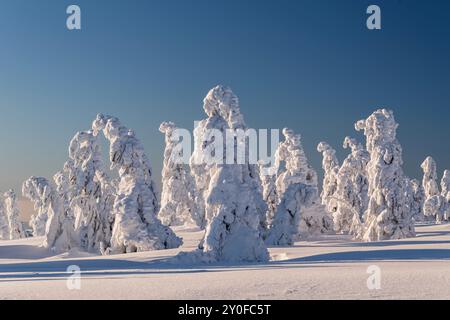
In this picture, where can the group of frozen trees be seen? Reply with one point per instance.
(10, 226)
(369, 195)
(436, 203)
(241, 206)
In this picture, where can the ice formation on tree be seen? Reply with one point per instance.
(299, 212)
(418, 200)
(445, 184)
(388, 215)
(59, 234)
(178, 206)
(234, 205)
(351, 194)
(4, 224)
(330, 165)
(436, 203)
(429, 181)
(270, 195)
(36, 189)
(90, 190)
(136, 226)
(12, 212)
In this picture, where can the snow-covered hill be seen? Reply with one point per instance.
(332, 267)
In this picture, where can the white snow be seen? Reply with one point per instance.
(332, 267)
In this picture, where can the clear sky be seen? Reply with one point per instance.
(309, 65)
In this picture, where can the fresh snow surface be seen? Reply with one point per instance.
(330, 267)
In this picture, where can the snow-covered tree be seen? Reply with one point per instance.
(178, 206)
(352, 188)
(330, 165)
(59, 233)
(299, 212)
(92, 223)
(445, 184)
(234, 204)
(37, 190)
(270, 195)
(136, 227)
(12, 212)
(388, 215)
(418, 195)
(4, 223)
(429, 181)
(436, 203)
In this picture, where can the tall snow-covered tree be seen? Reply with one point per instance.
(330, 166)
(351, 194)
(270, 195)
(388, 215)
(234, 204)
(418, 194)
(4, 223)
(299, 212)
(92, 224)
(178, 197)
(136, 227)
(59, 232)
(429, 181)
(436, 204)
(37, 190)
(12, 211)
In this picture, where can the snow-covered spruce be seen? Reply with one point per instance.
(4, 224)
(299, 212)
(429, 180)
(418, 195)
(178, 195)
(388, 215)
(351, 194)
(330, 166)
(93, 225)
(270, 195)
(37, 190)
(12, 212)
(59, 234)
(136, 226)
(233, 201)
(436, 203)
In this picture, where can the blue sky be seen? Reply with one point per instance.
(309, 65)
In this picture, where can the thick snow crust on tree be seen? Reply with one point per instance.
(299, 212)
(436, 205)
(4, 223)
(92, 221)
(59, 230)
(136, 227)
(330, 166)
(418, 195)
(37, 190)
(388, 215)
(12, 212)
(351, 194)
(234, 206)
(179, 194)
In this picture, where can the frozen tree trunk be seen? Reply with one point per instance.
(299, 212)
(4, 224)
(352, 188)
(234, 206)
(136, 226)
(270, 195)
(12, 212)
(388, 215)
(330, 165)
(179, 194)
